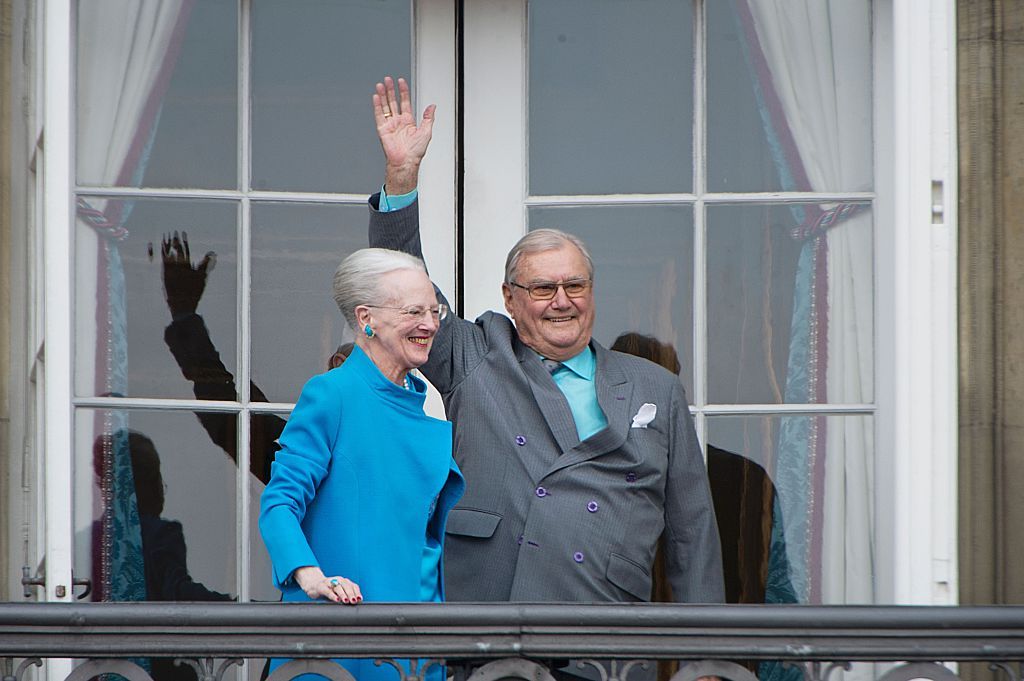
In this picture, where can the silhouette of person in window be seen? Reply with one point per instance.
(189, 342)
(163, 548)
(743, 497)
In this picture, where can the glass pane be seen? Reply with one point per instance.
(296, 326)
(154, 507)
(264, 431)
(314, 65)
(147, 326)
(643, 271)
(601, 124)
(789, 97)
(809, 480)
(157, 94)
(790, 314)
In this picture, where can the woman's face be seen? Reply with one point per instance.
(402, 340)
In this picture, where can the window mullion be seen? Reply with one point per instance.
(244, 326)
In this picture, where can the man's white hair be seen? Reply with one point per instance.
(540, 240)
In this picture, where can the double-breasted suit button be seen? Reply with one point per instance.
(631, 477)
(520, 440)
(592, 507)
(541, 492)
(520, 540)
(578, 557)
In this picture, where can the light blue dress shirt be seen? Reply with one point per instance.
(575, 378)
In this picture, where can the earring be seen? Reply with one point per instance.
(368, 331)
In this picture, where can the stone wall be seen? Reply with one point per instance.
(991, 269)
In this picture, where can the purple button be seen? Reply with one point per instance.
(592, 507)
(631, 477)
(541, 492)
(520, 440)
(578, 557)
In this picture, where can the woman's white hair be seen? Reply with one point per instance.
(357, 279)
(540, 240)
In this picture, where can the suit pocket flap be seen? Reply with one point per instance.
(469, 522)
(630, 577)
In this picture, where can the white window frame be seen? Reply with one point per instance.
(915, 197)
(916, 416)
(434, 68)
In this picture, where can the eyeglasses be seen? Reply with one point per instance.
(546, 290)
(418, 311)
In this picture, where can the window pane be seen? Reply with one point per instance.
(296, 326)
(314, 65)
(790, 315)
(643, 272)
(146, 328)
(157, 94)
(602, 124)
(264, 431)
(808, 478)
(789, 96)
(154, 507)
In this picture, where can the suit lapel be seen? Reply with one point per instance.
(614, 392)
(552, 403)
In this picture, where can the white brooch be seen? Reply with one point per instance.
(645, 415)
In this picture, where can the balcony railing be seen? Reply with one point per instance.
(505, 640)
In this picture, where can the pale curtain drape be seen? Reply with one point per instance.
(126, 55)
(812, 60)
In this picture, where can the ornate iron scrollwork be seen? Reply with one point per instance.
(415, 673)
(93, 668)
(612, 672)
(204, 668)
(293, 668)
(919, 670)
(511, 668)
(19, 673)
(720, 668)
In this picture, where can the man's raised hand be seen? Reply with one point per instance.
(404, 142)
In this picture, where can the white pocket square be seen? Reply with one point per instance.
(645, 415)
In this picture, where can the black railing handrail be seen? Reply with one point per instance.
(494, 630)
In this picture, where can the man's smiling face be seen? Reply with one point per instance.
(561, 327)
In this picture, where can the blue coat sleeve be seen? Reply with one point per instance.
(302, 463)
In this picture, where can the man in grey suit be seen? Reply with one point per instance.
(576, 458)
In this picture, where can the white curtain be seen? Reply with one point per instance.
(126, 55)
(818, 61)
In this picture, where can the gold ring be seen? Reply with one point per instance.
(388, 114)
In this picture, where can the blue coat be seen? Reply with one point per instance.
(361, 478)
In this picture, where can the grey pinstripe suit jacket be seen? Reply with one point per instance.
(546, 517)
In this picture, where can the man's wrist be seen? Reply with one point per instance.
(402, 179)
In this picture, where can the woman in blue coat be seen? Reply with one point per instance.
(356, 504)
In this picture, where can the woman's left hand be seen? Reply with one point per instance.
(335, 588)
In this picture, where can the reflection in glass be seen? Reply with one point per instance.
(790, 301)
(296, 325)
(789, 96)
(156, 93)
(133, 338)
(162, 466)
(643, 270)
(603, 124)
(314, 65)
(817, 505)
